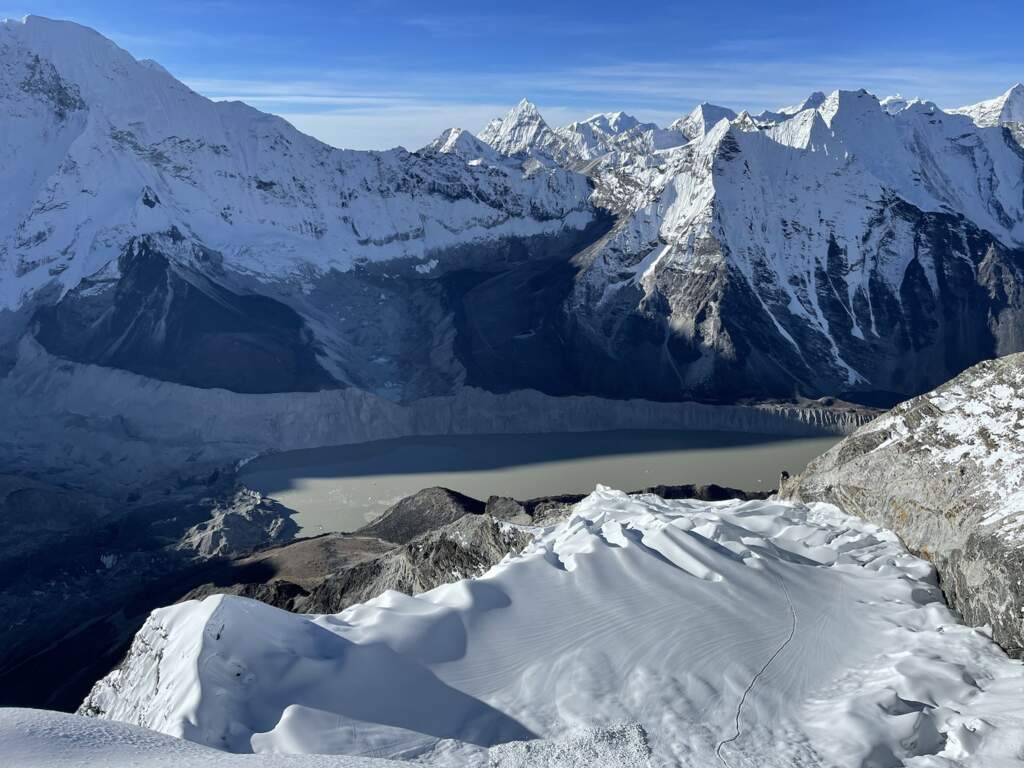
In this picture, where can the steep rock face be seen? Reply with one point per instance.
(423, 511)
(945, 471)
(165, 319)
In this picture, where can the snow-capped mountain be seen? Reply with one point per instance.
(101, 148)
(741, 633)
(617, 132)
(145, 210)
(837, 247)
(522, 130)
(463, 144)
(702, 119)
(841, 248)
(1008, 108)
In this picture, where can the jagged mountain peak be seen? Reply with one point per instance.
(702, 119)
(462, 143)
(859, 105)
(525, 111)
(525, 107)
(521, 131)
(613, 122)
(744, 122)
(815, 100)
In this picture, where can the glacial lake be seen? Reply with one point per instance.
(341, 488)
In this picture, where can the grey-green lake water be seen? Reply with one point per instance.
(341, 488)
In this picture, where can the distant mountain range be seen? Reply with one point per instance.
(844, 246)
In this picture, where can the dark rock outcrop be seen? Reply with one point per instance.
(461, 549)
(242, 522)
(424, 511)
(710, 492)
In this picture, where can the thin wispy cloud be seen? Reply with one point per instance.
(395, 106)
(375, 73)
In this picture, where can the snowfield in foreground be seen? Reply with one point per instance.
(734, 633)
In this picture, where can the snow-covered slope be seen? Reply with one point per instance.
(1007, 108)
(36, 738)
(101, 148)
(754, 633)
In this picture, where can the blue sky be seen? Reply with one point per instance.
(379, 73)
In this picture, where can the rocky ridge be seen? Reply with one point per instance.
(945, 471)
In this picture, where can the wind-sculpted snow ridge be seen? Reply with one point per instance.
(730, 633)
